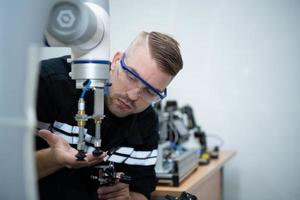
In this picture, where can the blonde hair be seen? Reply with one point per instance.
(162, 48)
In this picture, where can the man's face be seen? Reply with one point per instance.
(125, 97)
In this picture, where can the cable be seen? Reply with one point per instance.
(86, 87)
(216, 137)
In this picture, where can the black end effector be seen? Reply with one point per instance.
(97, 152)
(80, 155)
(183, 196)
(107, 175)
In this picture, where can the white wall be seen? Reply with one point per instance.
(241, 77)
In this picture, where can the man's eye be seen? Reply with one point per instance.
(150, 92)
(131, 77)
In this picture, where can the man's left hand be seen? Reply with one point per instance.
(119, 191)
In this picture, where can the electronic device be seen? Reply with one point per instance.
(174, 163)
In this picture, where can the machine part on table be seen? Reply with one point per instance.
(174, 166)
(175, 162)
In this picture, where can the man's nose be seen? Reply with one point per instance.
(134, 93)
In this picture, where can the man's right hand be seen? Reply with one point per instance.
(60, 154)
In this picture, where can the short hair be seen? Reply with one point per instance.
(163, 49)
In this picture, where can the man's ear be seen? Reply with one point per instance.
(116, 59)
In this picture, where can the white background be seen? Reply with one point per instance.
(241, 76)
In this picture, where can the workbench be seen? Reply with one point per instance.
(206, 182)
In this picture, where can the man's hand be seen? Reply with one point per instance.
(60, 154)
(119, 191)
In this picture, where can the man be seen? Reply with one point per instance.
(139, 78)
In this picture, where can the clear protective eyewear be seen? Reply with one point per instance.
(148, 92)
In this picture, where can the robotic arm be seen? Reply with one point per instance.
(84, 27)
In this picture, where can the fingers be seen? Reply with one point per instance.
(89, 160)
(116, 191)
(49, 137)
(90, 157)
(119, 196)
(93, 160)
(113, 188)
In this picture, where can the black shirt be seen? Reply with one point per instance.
(134, 137)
